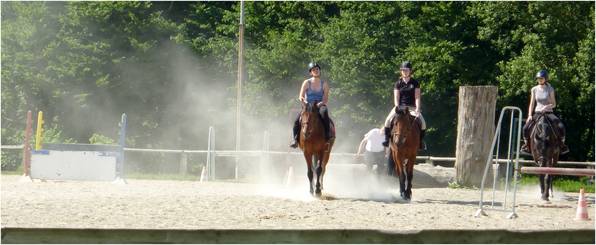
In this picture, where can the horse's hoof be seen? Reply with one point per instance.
(318, 193)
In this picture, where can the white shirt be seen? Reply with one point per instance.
(374, 140)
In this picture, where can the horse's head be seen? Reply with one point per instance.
(402, 125)
(308, 118)
(544, 141)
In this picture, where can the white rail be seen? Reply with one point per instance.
(258, 153)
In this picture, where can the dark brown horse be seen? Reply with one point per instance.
(314, 146)
(544, 145)
(405, 140)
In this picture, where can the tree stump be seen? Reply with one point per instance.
(475, 130)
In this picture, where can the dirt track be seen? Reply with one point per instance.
(354, 203)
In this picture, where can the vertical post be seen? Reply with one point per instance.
(122, 143)
(239, 81)
(182, 169)
(475, 124)
(264, 162)
(38, 132)
(211, 154)
(27, 146)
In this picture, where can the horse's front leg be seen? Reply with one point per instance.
(548, 186)
(309, 172)
(543, 187)
(410, 174)
(319, 171)
(399, 172)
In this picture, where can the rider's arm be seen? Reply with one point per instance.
(552, 98)
(417, 96)
(396, 97)
(531, 107)
(361, 146)
(302, 95)
(326, 93)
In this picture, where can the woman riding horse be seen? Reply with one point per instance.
(404, 146)
(313, 91)
(406, 94)
(312, 128)
(543, 98)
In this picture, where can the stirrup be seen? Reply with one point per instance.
(294, 144)
(564, 150)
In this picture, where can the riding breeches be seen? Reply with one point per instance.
(556, 123)
(412, 110)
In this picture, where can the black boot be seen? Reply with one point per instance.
(387, 135)
(563, 147)
(327, 130)
(422, 144)
(296, 131)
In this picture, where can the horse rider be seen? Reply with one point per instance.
(406, 94)
(543, 97)
(315, 91)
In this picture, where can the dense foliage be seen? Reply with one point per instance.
(171, 66)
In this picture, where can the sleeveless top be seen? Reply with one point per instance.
(543, 97)
(311, 95)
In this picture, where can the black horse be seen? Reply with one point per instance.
(545, 150)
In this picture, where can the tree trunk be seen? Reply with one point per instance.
(475, 130)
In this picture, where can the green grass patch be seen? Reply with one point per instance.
(562, 183)
(12, 172)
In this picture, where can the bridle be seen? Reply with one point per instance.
(406, 130)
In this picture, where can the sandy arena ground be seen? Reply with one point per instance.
(353, 202)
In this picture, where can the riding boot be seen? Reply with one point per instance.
(525, 147)
(327, 129)
(526, 134)
(422, 144)
(387, 135)
(296, 136)
(563, 147)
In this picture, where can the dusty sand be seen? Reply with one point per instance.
(354, 202)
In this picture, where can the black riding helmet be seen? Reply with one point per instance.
(542, 73)
(406, 64)
(313, 65)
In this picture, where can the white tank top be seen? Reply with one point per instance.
(543, 98)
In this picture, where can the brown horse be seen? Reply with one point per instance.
(405, 140)
(545, 149)
(314, 146)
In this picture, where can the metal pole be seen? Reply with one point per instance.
(27, 146)
(239, 81)
(122, 143)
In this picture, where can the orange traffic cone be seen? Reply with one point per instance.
(582, 207)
